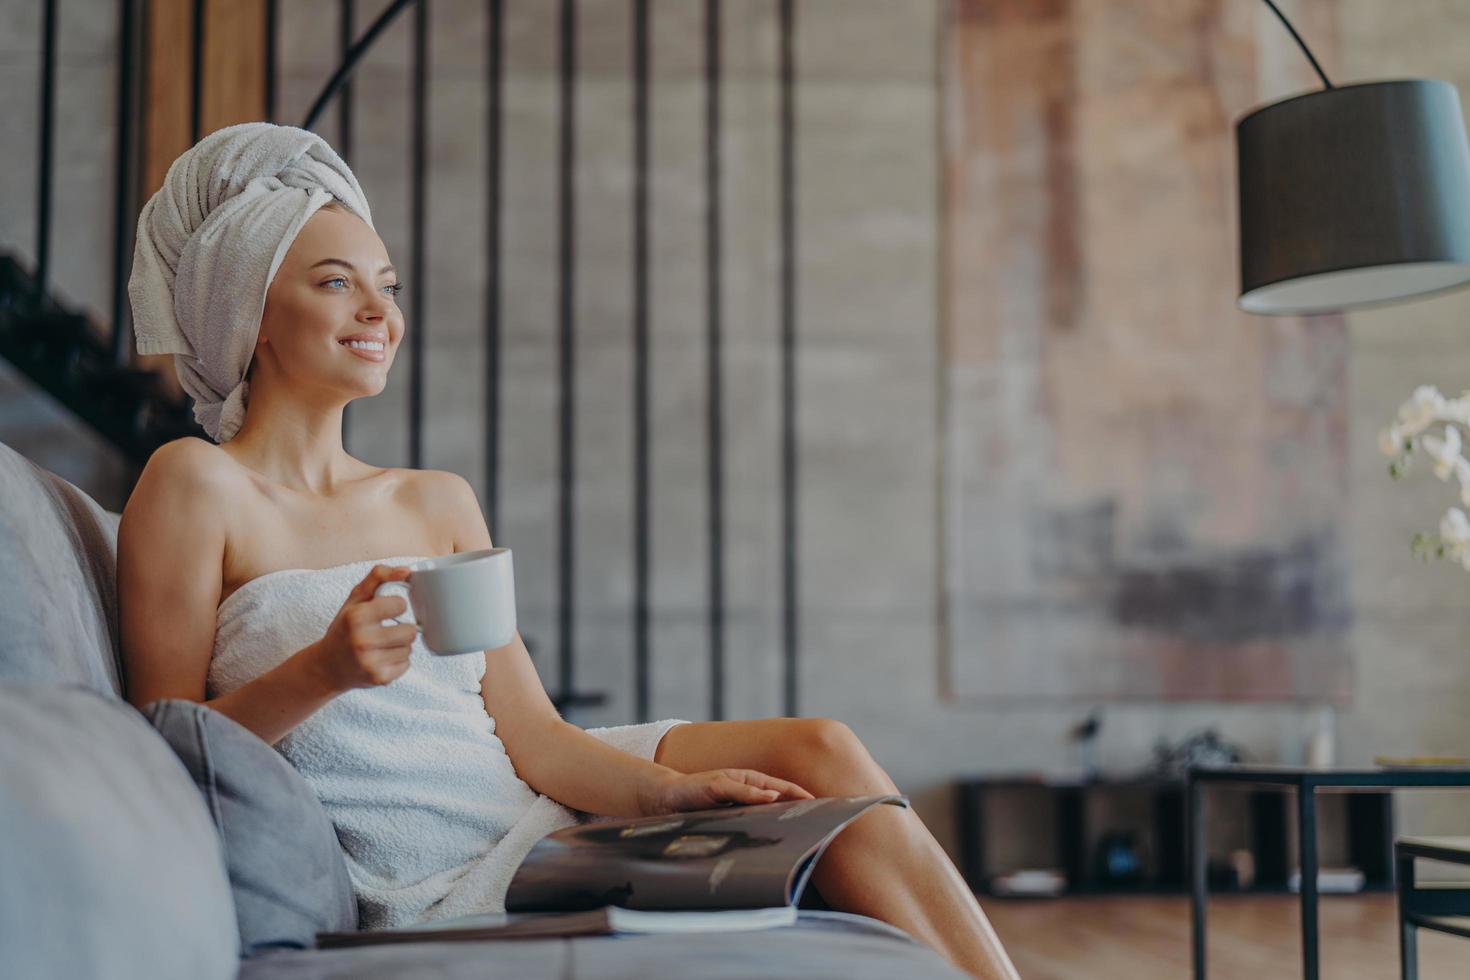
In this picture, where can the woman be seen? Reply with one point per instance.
(248, 572)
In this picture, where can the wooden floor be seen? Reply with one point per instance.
(1255, 937)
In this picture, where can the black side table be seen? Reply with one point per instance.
(1306, 782)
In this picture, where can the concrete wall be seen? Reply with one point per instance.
(1412, 632)
(870, 219)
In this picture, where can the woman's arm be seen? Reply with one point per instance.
(560, 760)
(170, 549)
(553, 756)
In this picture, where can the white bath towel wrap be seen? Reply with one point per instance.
(209, 243)
(428, 808)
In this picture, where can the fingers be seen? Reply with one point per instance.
(736, 790)
(384, 607)
(746, 786)
(780, 786)
(788, 789)
(387, 638)
(399, 636)
(379, 574)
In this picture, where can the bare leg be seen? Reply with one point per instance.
(886, 864)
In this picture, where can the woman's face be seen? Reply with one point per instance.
(334, 285)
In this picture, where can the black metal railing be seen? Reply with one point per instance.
(60, 350)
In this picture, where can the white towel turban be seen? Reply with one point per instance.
(209, 244)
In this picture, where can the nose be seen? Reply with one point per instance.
(375, 308)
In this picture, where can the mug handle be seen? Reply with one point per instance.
(386, 585)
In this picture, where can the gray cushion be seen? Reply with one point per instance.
(109, 866)
(58, 609)
(286, 866)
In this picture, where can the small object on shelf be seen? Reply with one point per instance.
(1085, 735)
(1244, 863)
(1320, 745)
(1046, 882)
(1118, 860)
(1341, 881)
(1202, 750)
(1421, 761)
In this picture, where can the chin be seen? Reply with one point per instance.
(365, 388)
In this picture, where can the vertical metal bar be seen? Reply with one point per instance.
(1197, 880)
(196, 81)
(566, 205)
(123, 177)
(1408, 938)
(641, 529)
(272, 18)
(712, 318)
(788, 345)
(945, 345)
(345, 30)
(494, 83)
(48, 140)
(417, 326)
(1306, 804)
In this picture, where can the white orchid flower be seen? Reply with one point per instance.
(1391, 441)
(1462, 473)
(1454, 528)
(1444, 450)
(1424, 406)
(1456, 410)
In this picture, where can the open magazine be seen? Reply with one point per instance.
(733, 867)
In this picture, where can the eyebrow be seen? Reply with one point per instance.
(349, 265)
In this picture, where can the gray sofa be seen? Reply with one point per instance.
(173, 843)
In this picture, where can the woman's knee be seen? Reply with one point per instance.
(831, 754)
(828, 738)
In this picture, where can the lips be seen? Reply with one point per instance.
(369, 346)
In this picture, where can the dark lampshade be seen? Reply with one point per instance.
(1353, 196)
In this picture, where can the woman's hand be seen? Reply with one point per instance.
(357, 651)
(706, 790)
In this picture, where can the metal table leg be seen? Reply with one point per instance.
(1197, 882)
(1306, 810)
(1408, 939)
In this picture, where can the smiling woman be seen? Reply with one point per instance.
(248, 578)
(325, 280)
(248, 568)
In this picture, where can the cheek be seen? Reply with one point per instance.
(297, 325)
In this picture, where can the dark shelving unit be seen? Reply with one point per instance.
(1368, 818)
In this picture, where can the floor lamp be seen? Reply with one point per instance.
(1352, 196)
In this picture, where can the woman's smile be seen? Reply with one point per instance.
(371, 350)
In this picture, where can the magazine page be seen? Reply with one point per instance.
(734, 857)
(533, 925)
(490, 925)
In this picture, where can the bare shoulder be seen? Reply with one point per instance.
(180, 470)
(170, 545)
(184, 493)
(190, 457)
(450, 499)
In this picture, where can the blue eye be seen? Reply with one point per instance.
(394, 288)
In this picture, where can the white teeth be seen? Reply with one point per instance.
(363, 344)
